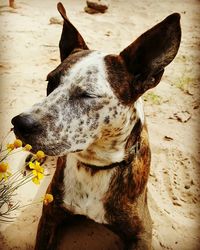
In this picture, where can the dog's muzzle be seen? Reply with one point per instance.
(25, 125)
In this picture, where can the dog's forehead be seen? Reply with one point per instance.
(88, 72)
(96, 72)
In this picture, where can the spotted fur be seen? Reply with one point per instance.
(93, 119)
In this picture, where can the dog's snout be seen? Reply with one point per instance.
(25, 125)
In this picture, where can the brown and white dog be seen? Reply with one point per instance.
(93, 119)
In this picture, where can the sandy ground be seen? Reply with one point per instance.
(29, 51)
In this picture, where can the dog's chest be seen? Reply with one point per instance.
(85, 193)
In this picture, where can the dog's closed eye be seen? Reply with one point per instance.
(85, 94)
(79, 93)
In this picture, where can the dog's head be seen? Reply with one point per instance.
(92, 96)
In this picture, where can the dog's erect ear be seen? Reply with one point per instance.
(70, 37)
(146, 57)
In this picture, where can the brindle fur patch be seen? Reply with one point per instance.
(127, 185)
(119, 82)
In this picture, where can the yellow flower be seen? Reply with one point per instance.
(4, 173)
(40, 154)
(27, 147)
(3, 167)
(17, 143)
(48, 199)
(10, 147)
(37, 171)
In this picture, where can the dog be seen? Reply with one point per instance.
(93, 120)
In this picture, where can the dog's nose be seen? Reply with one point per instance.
(25, 125)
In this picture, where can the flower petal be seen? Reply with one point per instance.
(35, 180)
(48, 199)
(34, 172)
(40, 154)
(3, 167)
(27, 147)
(17, 143)
(31, 165)
(40, 176)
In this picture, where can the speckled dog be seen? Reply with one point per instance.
(92, 118)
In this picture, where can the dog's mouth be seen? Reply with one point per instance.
(32, 132)
(38, 144)
(25, 141)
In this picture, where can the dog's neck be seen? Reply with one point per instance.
(105, 152)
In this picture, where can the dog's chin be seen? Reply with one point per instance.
(45, 148)
(53, 152)
(35, 147)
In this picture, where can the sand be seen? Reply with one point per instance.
(29, 51)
